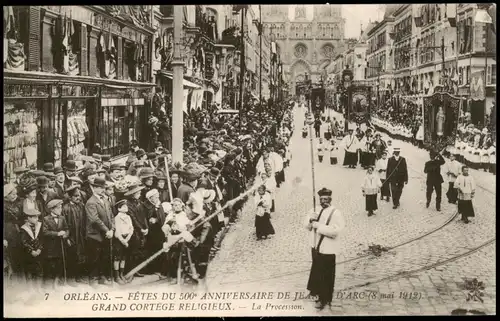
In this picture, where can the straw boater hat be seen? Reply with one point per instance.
(208, 196)
(120, 203)
(132, 189)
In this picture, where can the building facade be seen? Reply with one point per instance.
(77, 79)
(308, 40)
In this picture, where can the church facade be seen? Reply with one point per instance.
(308, 38)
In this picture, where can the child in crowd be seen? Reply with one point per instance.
(123, 233)
(370, 188)
(263, 226)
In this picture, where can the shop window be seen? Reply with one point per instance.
(22, 136)
(115, 129)
(70, 130)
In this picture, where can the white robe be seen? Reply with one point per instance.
(350, 143)
(452, 167)
(381, 164)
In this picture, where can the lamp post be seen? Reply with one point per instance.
(242, 9)
(260, 28)
(177, 91)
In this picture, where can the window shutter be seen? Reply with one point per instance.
(34, 48)
(92, 54)
(84, 43)
(119, 69)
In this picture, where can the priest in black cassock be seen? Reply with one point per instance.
(325, 227)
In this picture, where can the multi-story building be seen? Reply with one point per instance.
(473, 40)
(402, 48)
(379, 57)
(77, 79)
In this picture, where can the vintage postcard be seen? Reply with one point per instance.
(249, 160)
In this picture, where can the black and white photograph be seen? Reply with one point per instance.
(250, 160)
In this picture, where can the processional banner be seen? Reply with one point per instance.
(441, 113)
(359, 104)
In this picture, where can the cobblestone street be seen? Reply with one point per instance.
(431, 253)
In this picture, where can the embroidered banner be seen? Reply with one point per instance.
(477, 88)
(441, 113)
(359, 103)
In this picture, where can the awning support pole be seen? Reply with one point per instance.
(177, 89)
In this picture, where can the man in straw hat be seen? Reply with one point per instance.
(55, 229)
(156, 218)
(100, 227)
(397, 176)
(325, 228)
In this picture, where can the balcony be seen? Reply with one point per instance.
(207, 24)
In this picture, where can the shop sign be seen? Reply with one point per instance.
(79, 90)
(26, 90)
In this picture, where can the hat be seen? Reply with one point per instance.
(99, 182)
(152, 193)
(120, 203)
(37, 173)
(58, 170)
(70, 166)
(88, 172)
(396, 150)
(152, 156)
(140, 152)
(100, 170)
(106, 158)
(29, 187)
(214, 172)
(384, 152)
(324, 192)
(48, 167)
(208, 196)
(146, 172)
(134, 143)
(50, 175)
(71, 188)
(132, 189)
(53, 203)
(8, 188)
(20, 170)
(75, 179)
(30, 211)
(116, 167)
(192, 171)
(42, 181)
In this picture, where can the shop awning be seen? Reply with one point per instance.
(185, 82)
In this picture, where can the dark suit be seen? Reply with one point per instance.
(397, 176)
(184, 191)
(59, 190)
(99, 221)
(42, 203)
(434, 179)
(53, 264)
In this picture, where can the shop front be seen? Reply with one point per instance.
(53, 118)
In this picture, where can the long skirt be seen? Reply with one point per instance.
(322, 276)
(369, 159)
(263, 226)
(280, 177)
(333, 160)
(371, 202)
(350, 159)
(385, 191)
(465, 208)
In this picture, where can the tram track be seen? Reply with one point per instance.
(448, 221)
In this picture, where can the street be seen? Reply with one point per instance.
(432, 251)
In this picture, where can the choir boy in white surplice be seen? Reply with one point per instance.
(466, 190)
(325, 228)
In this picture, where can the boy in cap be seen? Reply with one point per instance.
(123, 233)
(44, 195)
(55, 235)
(32, 247)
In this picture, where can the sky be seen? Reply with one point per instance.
(354, 16)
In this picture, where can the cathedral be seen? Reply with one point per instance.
(308, 38)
